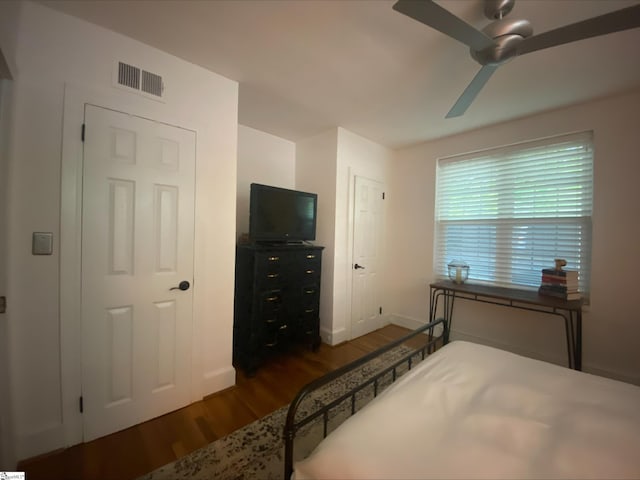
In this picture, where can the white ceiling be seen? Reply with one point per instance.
(308, 65)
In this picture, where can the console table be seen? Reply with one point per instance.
(569, 310)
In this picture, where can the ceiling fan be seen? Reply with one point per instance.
(503, 39)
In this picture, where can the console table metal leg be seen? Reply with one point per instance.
(578, 349)
(433, 307)
(433, 304)
(568, 328)
(449, 298)
(447, 309)
(573, 330)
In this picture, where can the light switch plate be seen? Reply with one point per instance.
(42, 243)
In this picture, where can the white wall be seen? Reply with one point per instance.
(262, 158)
(326, 164)
(54, 50)
(357, 156)
(611, 335)
(316, 172)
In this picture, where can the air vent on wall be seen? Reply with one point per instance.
(128, 75)
(142, 81)
(151, 83)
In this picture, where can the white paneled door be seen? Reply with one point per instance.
(367, 241)
(137, 247)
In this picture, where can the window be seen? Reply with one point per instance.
(509, 212)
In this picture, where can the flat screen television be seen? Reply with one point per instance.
(281, 215)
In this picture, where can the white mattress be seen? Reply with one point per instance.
(471, 411)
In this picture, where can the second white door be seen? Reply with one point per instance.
(367, 242)
(137, 249)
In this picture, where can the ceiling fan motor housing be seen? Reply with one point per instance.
(506, 34)
(496, 9)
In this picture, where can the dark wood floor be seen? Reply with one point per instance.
(145, 447)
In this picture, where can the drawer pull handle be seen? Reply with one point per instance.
(310, 271)
(311, 256)
(309, 310)
(273, 344)
(283, 327)
(309, 291)
(308, 332)
(274, 259)
(272, 299)
(270, 320)
(272, 275)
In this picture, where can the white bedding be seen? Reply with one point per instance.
(470, 411)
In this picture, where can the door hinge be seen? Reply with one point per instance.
(3, 304)
(81, 404)
(383, 195)
(83, 130)
(380, 310)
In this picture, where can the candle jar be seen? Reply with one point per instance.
(458, 271)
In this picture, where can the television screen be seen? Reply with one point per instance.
(281, 215)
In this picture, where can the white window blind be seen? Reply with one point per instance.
(510, 211)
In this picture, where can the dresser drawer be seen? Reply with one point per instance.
(309, 275)
(309, 258)
(274, 259)
(308, 319)
(270, 306)
(269, 280)
(310, 295)
(276, 335)
(268, 263)
(308, 266)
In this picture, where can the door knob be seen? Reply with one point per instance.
(183, 285)
(356, 266)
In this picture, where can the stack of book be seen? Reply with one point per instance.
(560, 284)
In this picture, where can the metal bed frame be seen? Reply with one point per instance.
(292, 425)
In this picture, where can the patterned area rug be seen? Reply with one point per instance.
(257, 451)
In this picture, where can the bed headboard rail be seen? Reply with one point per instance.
(292, 425)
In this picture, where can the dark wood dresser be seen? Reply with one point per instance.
(277, 298)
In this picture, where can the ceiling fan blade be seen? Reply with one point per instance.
(472, 91)
(616, 21)
(433, 15)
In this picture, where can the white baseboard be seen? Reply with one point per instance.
(411, 323)
(217, 380)
(8, 461)
(406, 322)
(32, 444)
(332, 338)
